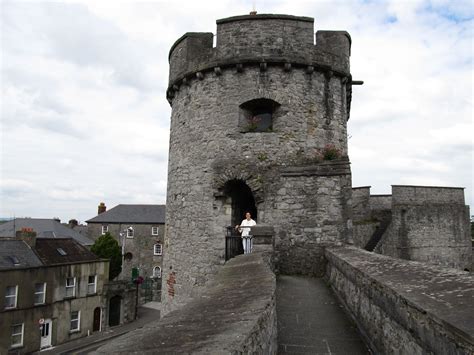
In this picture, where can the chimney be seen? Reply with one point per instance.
(28, 235)
(102, 208)
(73, 223)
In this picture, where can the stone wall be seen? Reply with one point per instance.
(235, 315)
(380, 202)
(404, 307)
(361, 203)
(429, 224)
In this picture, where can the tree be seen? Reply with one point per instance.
(107, 247)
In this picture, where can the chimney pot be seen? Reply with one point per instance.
(102, 208)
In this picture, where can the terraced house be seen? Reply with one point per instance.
(52, 290)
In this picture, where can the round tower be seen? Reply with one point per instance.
(259, 124)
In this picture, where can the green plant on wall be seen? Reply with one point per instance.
(252, 123)
(330, 152)
(262, 156)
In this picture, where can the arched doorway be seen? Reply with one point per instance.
(242, 200)
(115, 304)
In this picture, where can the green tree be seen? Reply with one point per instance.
(107, 247)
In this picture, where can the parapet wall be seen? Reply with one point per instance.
(236, 314)
(421, 195)
(284, 40)
(404, 307)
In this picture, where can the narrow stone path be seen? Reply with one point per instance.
(311, 320)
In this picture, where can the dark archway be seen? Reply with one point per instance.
(114, 310)
(242, 200)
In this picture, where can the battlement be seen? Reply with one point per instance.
(419, 195)
(262, 40)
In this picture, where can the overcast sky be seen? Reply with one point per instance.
(84, 117)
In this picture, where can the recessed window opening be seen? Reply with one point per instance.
(157, 249)
(157, 272)
(257, 115)
(40, 293)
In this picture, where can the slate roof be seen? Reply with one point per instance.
(138, 214)
(20, 251)
(71, 251)
(44, 228)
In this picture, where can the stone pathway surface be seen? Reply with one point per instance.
(311, 320)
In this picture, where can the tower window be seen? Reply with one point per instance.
(257, 115)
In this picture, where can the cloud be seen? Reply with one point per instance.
(85, 118)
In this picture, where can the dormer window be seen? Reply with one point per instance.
(61, 251)
(257, 115)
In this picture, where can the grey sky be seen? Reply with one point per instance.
(84, 117)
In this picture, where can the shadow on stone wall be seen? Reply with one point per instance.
(236, 314)
(404, 307)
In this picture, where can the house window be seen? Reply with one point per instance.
(40, 293)
(11, 294)
(257, 115)
(105, 229)
(17, 335)
(92, 284)
(157, 272)
(157, 249)
(129, 232)
(154, 230)
(70, 287)
(75, 321)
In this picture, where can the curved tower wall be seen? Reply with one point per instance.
(269, 57)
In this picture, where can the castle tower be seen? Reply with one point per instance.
(251, 119)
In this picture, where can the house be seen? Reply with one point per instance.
(139, 229)
(44, 228)
(52, 292)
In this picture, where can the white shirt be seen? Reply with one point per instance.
(246, 223)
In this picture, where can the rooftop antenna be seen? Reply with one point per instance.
(253, 12)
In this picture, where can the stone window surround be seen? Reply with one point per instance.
(105, 229)
(158, 249)
(256, 109)
(92, 286)
(17, 334)
(41, 293)
(154, 230)
(11, 298)
(70, 286)
(157, 272)
(75, 324)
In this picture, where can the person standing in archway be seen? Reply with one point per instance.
(245, 232)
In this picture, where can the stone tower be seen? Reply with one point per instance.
(251, 120)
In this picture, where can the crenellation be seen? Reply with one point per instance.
(263, 40)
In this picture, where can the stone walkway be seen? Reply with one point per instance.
(311, 321)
